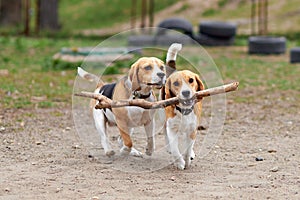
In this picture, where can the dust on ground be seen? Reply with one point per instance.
(42, 157)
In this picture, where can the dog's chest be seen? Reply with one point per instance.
(139, 116)
(183, 123)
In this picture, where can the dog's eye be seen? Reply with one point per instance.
(191, 80)
(161, 68)
(149, 67)
(176, 83)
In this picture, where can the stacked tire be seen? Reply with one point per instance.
(295, 55)
(170, 30)
(266, 45)
(215, 33)
(178, 24)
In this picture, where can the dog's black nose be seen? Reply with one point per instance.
(185, 93)
(160, 74)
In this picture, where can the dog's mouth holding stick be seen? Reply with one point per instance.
(157, 85)
(104, 102)
(188, 102)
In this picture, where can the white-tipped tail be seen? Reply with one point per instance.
(88, 76)
(172, 51)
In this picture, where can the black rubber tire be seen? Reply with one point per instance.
(217, 29)
(295, 55)
(206, 40)
(266, 45)
(178, 24)
(141, 40)
(168, 39)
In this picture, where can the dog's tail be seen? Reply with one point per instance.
(90, 77)
(171, 58)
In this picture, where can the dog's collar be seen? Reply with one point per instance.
(138, 95)
(184, 111)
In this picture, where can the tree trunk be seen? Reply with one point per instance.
(10, 12)
(48, 15)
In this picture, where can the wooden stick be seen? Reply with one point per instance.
(105, 102)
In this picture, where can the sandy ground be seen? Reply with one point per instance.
(43, 157)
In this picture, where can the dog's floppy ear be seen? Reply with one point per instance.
(168, 93)
(133, 75)
(199, 83)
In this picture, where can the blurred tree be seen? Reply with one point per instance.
(10, 12)
(47, 15)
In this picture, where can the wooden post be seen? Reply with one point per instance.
(260, 17)
(48, 11)
(27, 17)
(11, 12)
(253, 14)
(266, 17)
(144, 13)
(133, 14)
(37, 16)
(151, 13)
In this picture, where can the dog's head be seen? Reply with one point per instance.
(183, 84)
(147, 71)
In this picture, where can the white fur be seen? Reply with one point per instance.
(183, 125)
(155, 78)
(84, 74)
(138, 116)
(99, 119)
(172, 51)
(185, 87)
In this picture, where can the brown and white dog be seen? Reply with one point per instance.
(182, 119)
(144, 74)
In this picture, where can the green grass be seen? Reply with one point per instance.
(27, 60)
(273, 72)
(33, 72)
(209, 12)
(90, 14)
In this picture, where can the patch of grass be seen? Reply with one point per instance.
(222, 3)
(184, 7)
(209, 12)
(105, 13)
(26, 60)
(45, 104)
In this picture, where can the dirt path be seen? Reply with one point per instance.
(42, 157)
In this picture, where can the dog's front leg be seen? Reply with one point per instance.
(127, 148)
(173, 142)
(189, 152)
(150, 131)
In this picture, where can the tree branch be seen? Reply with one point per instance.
(105, 102)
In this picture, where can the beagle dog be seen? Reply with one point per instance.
(145, 74)
(183, 118)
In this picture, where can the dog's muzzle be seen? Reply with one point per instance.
(157, 85)
(188, 102)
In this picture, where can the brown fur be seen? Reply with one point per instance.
(137, 75)
(172, 91)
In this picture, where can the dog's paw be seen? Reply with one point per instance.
(193, 155)
(168, 149)
(180, 164)
(136, 153)
(110, 153)
(125, 150)
(150, 149)
(149, 152)
(120, 141)
(187, 162)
